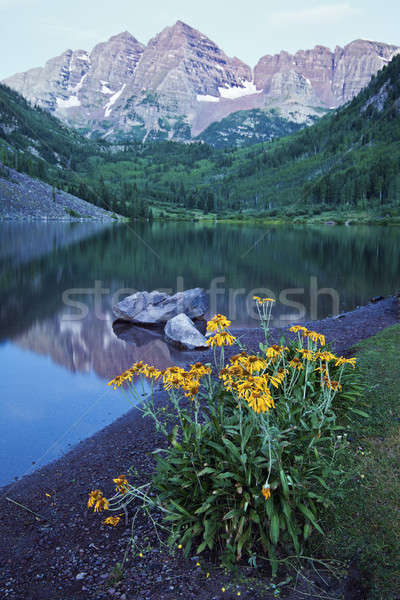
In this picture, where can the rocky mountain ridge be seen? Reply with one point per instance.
(181, 82)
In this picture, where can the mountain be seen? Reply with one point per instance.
(348, 158)
(182, 82)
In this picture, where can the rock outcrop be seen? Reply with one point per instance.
(181, 82)
(156, 308)
(330, 77)
(181, 332)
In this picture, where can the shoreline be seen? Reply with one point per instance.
(68, 554)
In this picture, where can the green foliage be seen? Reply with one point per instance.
(240, 479)
(72, 213)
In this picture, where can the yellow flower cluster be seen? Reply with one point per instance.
(313, 335)
(112, 521)
(246, 377)
(122, 484)
(345, 361)
(138, 368)
(222, 338)
(97, 500)
(188, 381)
(218, 323)
(275, 351)
(262, 300)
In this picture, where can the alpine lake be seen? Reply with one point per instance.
(59, 280)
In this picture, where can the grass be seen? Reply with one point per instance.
(365, 527)
(72, 213)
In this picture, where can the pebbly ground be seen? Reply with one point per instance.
(65, 553)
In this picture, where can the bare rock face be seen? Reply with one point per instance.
(181, 332)
(181, 82)
(335, 77)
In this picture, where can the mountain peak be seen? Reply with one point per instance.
(124, 36)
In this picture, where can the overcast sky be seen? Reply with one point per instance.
(31, 31)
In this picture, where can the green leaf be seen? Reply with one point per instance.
(274, 528)
(285, 488)
(205, 471)
(307, 513)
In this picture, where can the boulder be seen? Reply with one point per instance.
(157, 308)
(181, 332)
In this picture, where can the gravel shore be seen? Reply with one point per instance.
(63, 552)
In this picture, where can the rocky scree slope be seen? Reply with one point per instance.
(181, 82)
(22, 197)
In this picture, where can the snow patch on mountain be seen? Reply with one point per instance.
(69, 103)
(207, 98)
(112, 101)
(79, 84)
(234, 92)
(104, 87)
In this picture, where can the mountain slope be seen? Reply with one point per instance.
(182, 82)
(247, 127)
(22, 197)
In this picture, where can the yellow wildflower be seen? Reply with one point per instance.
(218, 323)
(296, 364)
(307, 354)
(275, 351)
(101, 504)
(326, 356)
(316, 337)
(117, 381)
(297, 328)
(93, 497)
(97, 499)
(345, 361)
(150, 372)
(331, 384)
(199, 370)
(256, 392)
(112, 521)
(253, 363)
(122, 484)
(266, 491)
(262, 300)
(222, 338)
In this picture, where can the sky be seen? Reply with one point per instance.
(32, 31)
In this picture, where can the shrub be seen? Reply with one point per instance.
(252, 444)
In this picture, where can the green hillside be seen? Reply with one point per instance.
(247, 127)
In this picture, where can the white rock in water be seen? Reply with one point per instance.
(181, 332)
(157, 308)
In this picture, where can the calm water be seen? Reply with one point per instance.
(57, 343)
